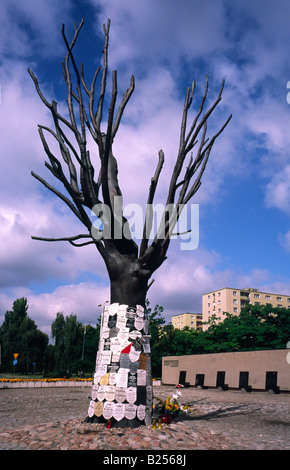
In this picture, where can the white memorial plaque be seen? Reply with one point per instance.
(130, 411)
(122, 308)
(113, 308)
(131, 394)
(96, 378)
(135, 334)
(122, 377)
(91, 410)
(116, 356)
(121, 322)
(141, 409)
(140, 311)
(106, 357)
(105, 319)
(101, 347)
(105, 332)
(141, 377)
(94, 394)
(134, 355)
(115, 341)
(101, 392)
(115, 344)
(120, 394)
(112, 378)
(123, 335)
(119, 411)
(110, 393)
(139, 323)
(101, 369)
(108, 410)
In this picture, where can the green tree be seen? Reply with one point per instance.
(257, 327)
(19, 334)
(90, 343)
(75, 345)
(156, 324)
(58, 334)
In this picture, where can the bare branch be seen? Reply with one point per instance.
(104, 76)
(61, 196)
(122, 106)
(82, 137)
(47, 104)
(68, 239)
(149, 215)
(156, 253)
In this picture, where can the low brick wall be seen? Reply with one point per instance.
(44, 384)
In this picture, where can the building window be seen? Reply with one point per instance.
(288, 300)
(235, 309)
(257, 296)
(279, 299)
(268, 297)
(234, 292)
(279, 306)
(235, 301)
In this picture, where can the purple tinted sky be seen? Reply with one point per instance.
(245, 196)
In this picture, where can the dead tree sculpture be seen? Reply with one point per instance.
(115, 397)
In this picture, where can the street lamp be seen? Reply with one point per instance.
(102, 305)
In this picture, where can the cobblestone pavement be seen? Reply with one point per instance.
(34, 419)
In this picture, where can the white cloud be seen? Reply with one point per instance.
(32, 25)
(146, 33)
(278, 190)
(80, 299)
(284, 240)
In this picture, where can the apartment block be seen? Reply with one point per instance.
(192, 320)
(232, 300)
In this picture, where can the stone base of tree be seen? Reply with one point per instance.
(124, 423)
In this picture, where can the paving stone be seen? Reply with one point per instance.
(229, 420)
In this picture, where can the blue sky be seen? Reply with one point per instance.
(244, 200)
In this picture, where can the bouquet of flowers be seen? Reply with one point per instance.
(170, 408)
(174, 407)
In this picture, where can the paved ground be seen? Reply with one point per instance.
(51, 418)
